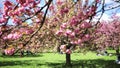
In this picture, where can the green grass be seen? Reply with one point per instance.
(55, 60)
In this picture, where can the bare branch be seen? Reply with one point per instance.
(103, 10)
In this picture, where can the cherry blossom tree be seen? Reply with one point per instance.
(74, 26)
(107, 34)
(19, 12)
(68, 22)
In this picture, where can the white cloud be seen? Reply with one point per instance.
(105, 17)
(108, 1)
(118, 14)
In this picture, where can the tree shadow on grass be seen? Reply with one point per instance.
(97, 63)
(13, 63)
(18, 56)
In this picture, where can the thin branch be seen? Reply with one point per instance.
(112, 8)
(36, 13)
(103, 10)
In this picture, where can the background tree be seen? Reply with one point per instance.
(107, 34)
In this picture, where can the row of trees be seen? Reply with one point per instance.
(65, 24)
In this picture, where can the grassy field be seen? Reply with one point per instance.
(55, 60)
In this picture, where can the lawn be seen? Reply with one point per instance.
(55, 60)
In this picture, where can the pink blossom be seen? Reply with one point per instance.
(37, 20)
(68, 51)
(0, 32)
(10, 13)
(16, 12)
(29, 1)
(51, 8)
(92, 10)
(86, 25)
(59, 2)
(68, 32)
(76, 30)
(8, 4)
(21, 1)
(10, 36)
(79, 41)
(13, 36)
(16, 35)
(32, 5)
(26, 31)
(74, 42)
(63, 47)
(36, 10)
(64, 10)
(59, 32)
(2, 20)
(29, 31)
(72, 35)
(21, 9)
(16, 20)
(5, 38)
(9, 51)
(64, 25)
(87, 36)
(74, 21)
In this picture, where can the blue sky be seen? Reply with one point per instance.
(107, 14)
(10, 21)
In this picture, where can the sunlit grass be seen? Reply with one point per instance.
(55, 60)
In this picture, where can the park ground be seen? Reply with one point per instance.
(56, 60)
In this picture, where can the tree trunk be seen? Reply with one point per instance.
(68, 59)
(117, 51)
(118, 55)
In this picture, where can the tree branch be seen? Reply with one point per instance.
(40, 26)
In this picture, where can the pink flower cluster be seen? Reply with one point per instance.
(9, 51)
(15, 12)
(26, 31)
(78, 41)
(8, 6)
(74, 21)
(86, 25)
(59, 2)
(64, 50)
(60, 32)
(75, 36)
(68, 51)
(25, 2)
(64, 11)
(13, 36)
(2, 20)
(108, 34)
